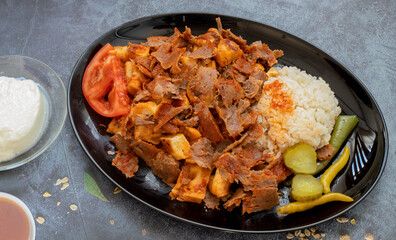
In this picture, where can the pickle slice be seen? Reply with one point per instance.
(306, 188)
(300, 158)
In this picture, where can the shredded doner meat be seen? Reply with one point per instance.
(192, 119)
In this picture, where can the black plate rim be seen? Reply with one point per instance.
(358, 81)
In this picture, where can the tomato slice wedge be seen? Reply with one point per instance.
(104, 84)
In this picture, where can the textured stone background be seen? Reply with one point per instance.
(360, 34)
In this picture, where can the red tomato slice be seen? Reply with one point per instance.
(104, 84)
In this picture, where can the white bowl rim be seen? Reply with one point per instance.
(32, 225)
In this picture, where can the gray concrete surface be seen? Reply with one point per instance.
(360, 34)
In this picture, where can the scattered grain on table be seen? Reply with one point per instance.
(144, 232)
(116, 190)
(63, 180)
(307, 232)
(368, 236)
(297, 233)
(73, 207)
(316, 235)
(345, 237)
(58, 203)
(289, 235)
(40, 220)
(46, 194)
(342, 219)
(313, 229)
(112, 222)
(58, 181)
(353, 221)
(64, 186)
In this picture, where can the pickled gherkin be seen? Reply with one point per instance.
(306, 188)
(300, 158)
(343, 127)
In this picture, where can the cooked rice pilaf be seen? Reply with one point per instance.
(296, 107)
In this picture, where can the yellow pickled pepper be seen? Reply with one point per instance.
(334, 169)
(303, 206)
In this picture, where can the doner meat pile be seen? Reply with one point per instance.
(192, 119)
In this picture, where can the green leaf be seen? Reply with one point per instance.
(92, 187)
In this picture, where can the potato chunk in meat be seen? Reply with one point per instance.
(177, 145)
(227, 51)
(122, 53)
(191, 184)
(145, 108)
(147, 133)
(138, 50)
(219, 186)
(192, 133)
(135, 78)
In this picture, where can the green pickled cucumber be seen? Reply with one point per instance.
(342, 128)
(300, 158)
(306, 188)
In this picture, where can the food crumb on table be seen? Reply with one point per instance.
(64, 186)
(112, 222)
(307, 232)
(116, 190)
(353, 221)
(40, 220)
(313, 229)
(58, 181)
(58, 203)
(144, 232)
(63, 180)
(73, 207)
(289, 235)
(345, 237)
(47, 194)
(297, 233)
(368, 236)
(316, 235)
(342, 219)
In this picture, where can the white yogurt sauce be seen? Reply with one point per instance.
(22, 115)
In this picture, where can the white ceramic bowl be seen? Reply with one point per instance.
(32, 225)
(54, 93)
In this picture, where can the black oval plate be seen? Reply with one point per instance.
(368, 143)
